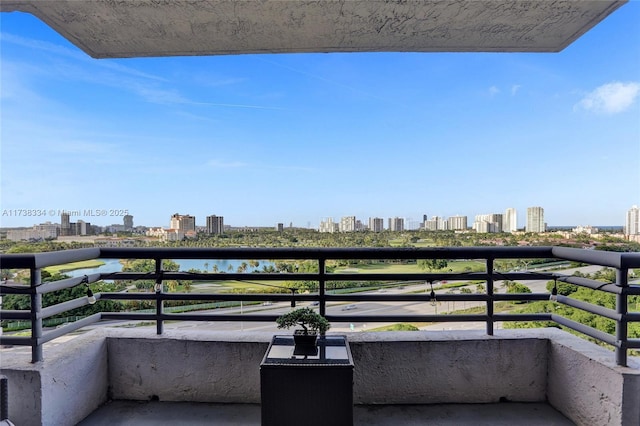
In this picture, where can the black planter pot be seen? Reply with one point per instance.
(301, 339)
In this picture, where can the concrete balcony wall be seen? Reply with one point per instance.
(448, 367)
(585, 384)
(177, 366)
(578, 378)
(69, 384)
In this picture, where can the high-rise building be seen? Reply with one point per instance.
(376, 224)
(396, 224)
(183, 223)
(510, 220)
(128, 223)
(215, 225)
(328, 225)
(436, 223)
(280, 227)
(488, 223)
(81, 227)
(632, 224)
(535, 219)
(65, 224)
(347, 224)
(457, 223)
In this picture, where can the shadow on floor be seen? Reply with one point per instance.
(140, 413)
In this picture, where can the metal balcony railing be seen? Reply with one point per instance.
(622, 262)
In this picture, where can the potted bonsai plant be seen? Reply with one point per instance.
(311, 322)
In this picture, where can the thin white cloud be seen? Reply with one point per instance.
(610, 98)
(493, 90)
(514, 89)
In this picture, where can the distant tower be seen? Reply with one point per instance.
(510, 220)
(457, 223)
(376, 224)
(128, 222)
(184, 223)
(280, 227)
(396, 224)
(65, 224)
(632, 224)
(215, 224)
(535, 219)
(347, 224)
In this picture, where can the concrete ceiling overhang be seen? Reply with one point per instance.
(138, 28)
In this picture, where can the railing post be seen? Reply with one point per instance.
(159, 301)
(4, 400)
(622, 307)
(36, 319)
(321, 285)
(490, 295)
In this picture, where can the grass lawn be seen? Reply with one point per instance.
(383, 268)
(230, 286)
(75, 265)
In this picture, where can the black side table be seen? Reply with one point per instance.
(313, 389)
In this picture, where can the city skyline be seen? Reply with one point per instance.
(293, 138)
(504, 222)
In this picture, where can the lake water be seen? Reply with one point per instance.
(114, 265)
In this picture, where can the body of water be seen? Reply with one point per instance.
(114, 265)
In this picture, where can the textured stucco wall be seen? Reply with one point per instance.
(199, 27)
(63, 389)
(587, 386)
(179, 366)
(453, 367)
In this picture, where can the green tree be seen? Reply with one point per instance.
(433, 264)
(564, 289)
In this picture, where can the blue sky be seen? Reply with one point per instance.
(296, 138)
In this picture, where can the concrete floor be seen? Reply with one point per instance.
(135, 413)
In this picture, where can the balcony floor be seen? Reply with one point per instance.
(125, 413)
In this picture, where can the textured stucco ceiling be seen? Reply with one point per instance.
(133, 28)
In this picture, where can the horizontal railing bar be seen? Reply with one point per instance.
(592, 284)
(15, 289)
(327, 253)
(69, 327)
(41, 260)
(66, 306)
(16, 340)
(206, 296)
(633, 343)
(589, 307)
(281, 276)
(15, 315)
(66, 283)
(632, 290)
(328, 277)
(597, 257)
(633, 316)
(282, 297)
(584, 329)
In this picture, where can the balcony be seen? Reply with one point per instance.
(396, 374)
